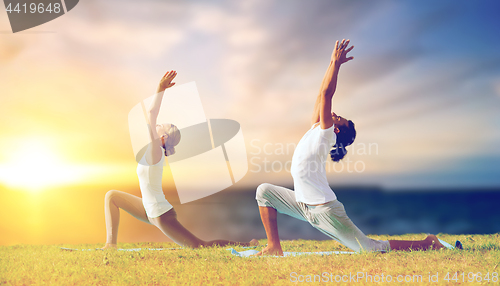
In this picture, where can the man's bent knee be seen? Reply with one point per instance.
(263, 195)
(262, 189)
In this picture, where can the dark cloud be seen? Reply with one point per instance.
(303, 32)
(434, 93)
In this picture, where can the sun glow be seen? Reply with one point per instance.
(35, 167)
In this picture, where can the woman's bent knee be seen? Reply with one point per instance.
(110, 195)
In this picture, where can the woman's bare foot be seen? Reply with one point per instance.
(254, 242)
(110, 246)
(270, 251)
(433, 242)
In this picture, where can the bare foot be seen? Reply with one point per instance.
(270, 251)
(434, 242)
(253, 242)
(110, 246)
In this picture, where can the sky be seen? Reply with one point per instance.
(423, 89)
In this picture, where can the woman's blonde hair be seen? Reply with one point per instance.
(173, 138)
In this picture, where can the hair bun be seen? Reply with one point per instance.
(169, 150)
(344, 138)
(338, 152)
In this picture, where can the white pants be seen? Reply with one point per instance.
(329, 218)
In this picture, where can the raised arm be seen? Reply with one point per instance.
(156, 152)
(315, 117)
(323, 105)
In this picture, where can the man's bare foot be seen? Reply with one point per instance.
(270, 251)
(434, 242)
(254, 242)
(110, 246)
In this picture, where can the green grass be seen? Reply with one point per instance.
(49, 265)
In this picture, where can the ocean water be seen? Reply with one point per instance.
(234, 214)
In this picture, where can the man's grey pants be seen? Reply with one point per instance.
(329, 218)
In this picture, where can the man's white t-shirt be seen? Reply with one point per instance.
(309, 166)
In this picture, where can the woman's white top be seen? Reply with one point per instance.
(150, 177)
(309, 166)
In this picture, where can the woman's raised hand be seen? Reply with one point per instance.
(339, 55)
(166, 81)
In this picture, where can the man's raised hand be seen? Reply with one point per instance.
(339, 55)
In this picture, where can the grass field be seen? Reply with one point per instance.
(49, 265)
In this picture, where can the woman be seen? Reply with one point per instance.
(313, 200)
(153, 208)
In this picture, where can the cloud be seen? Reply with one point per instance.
(261, 63)
(10, 49)
(271, 62)
(121, 40)
(394, 80)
